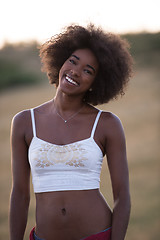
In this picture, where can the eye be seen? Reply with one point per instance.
(87, 71)
(72, 61)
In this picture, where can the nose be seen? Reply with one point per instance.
(76, 71)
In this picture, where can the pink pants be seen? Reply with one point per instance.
(104, 235)
(31, 236)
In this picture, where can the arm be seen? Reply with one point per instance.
(20, 193)
(117, 162)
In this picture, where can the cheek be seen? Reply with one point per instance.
(90, 79)
(63, 69)
(89, 82)
(61, 72)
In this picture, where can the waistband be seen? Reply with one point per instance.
(103, 235)
(33, 235)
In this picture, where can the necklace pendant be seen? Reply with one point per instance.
(72, 116)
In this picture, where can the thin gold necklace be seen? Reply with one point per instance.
(72, 116)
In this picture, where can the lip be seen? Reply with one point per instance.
(71, 80)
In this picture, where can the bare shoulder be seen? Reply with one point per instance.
(21, 121)
(111, 123)
(111, 119)
(21, 117)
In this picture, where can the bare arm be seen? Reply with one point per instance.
(118, 167)
(20, 193)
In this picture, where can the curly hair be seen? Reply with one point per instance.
(111, 51)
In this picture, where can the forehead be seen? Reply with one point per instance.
(86, 56)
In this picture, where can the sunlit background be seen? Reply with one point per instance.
(26, 24)
(34, 19)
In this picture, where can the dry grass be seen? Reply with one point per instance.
(139, 112)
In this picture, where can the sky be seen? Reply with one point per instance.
(22, 20)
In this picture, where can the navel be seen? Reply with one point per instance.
(63, 211)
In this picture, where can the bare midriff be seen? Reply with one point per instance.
(71, 215)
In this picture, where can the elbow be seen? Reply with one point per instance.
(20, 195)
(123, 200)
(127, 204)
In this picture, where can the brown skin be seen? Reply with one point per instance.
(70, 215)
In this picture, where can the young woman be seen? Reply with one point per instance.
(64, 140)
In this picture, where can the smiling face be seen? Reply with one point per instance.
(78, 72)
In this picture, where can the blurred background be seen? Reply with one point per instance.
(24, 26)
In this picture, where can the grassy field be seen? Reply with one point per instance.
(139, 112)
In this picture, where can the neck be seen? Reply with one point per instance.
(68, 103)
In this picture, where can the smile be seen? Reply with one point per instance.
(70, 80)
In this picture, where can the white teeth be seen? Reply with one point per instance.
(71, 81)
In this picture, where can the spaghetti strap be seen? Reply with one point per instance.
(95, 123)
(33, 122)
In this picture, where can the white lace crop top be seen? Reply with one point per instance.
(74, 166)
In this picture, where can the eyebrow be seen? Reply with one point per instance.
(86, 65)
